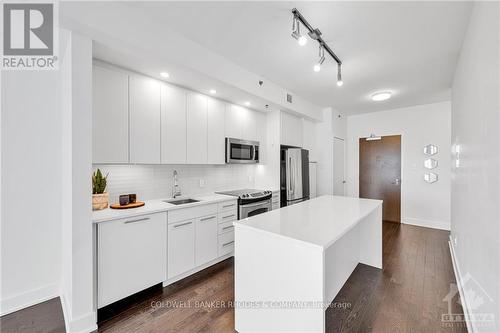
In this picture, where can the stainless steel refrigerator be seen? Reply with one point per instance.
(294, 175)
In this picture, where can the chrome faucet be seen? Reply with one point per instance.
(176, 190)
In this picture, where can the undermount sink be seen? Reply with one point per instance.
(180, 201)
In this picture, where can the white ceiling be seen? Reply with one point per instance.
(409, 48)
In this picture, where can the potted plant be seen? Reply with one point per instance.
(100, 198)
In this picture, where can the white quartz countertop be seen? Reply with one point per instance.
(155, 206)
(320, 221)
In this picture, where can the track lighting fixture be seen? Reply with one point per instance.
(314, 34)
(321, 60)
(302, 40)
(339, 76)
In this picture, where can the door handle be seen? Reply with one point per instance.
(138, 220)
(182, 224)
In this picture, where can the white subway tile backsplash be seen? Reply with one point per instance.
(155, 181)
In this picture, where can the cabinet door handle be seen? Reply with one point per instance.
(182, 224)
(228, 227)
(207, 218)
(228, 243)
(228, 216)
(138, 220)
(227, 206)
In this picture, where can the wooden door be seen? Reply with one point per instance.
(380, 174)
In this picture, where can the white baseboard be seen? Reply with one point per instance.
(28, 298)
(458, 276)
(426, 223)
(84, 324)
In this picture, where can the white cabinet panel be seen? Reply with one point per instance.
(131, 256)
(250, 125)
(173, 125)
(291, 130)
(312, 180)
(109, 116)
(144, 120)
(196, 129)
(226, 243)
(235, 121)
(309, 138)
(206, 239)
(262, 135)
(181, 245)
(215, 128)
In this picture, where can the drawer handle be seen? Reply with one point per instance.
(228, 243)
(138, 220)
(226, 217)
(207, 218)
(182, 224)
(227, 206)
(228, 227)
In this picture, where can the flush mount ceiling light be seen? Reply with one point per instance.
(314, 34)
(381, 96)
(213, 91)
(247, 103)
(165, 75)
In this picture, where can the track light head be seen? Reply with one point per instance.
(340, 83)
(321, 60)
(302, 40)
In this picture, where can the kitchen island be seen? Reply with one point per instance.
(291, 263)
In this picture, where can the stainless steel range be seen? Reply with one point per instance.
(251, 202)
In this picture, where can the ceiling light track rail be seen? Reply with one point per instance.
(316, 35)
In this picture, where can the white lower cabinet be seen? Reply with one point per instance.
(226, 243)
(181, 247)
(206, 239)
(131, 256)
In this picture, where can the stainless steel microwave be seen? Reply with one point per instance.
(241, 151)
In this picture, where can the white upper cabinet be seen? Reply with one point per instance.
(261, 121)
(291, 130)
(196, 128)
(173, 125)
(250, 125)
(235, 121)
(144, 120)
(109, 116)
(216, 127)
(309, 138)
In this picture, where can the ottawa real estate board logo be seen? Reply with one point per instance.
(30, 36)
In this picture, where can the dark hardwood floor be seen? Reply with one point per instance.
(406, 296)
(44, 317)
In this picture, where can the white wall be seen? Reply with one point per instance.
(331, 126)
(422, 204)
(475, 183)
(77, 285)
(155, 181)
(31, 188)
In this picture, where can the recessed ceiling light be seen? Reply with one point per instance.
(247, 103)
(381, 96)
(213, 91)
(165, 74)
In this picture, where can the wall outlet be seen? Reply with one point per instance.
(202, 182)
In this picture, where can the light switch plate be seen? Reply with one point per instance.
(202, 182)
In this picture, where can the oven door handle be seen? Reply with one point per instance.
(263, 203)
